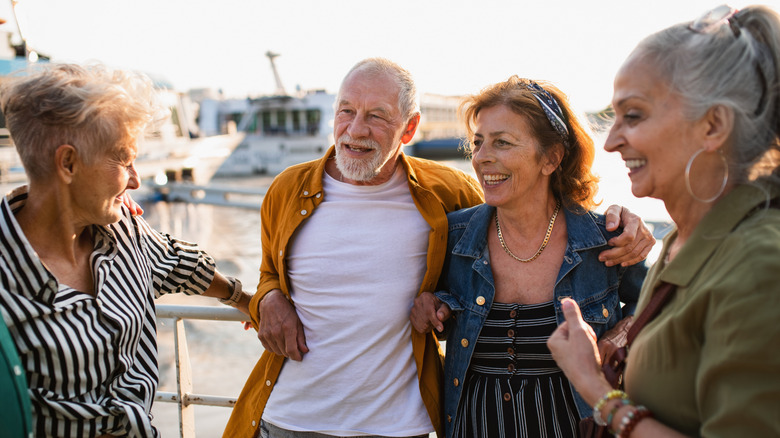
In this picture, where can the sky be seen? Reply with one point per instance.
(452, 47)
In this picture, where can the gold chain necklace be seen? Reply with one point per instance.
(541, 248)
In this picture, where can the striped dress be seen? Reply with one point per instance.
(91, 361)
(513, 387)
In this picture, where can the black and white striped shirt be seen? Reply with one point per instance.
(91, 362)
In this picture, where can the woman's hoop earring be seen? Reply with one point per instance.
(688, 177)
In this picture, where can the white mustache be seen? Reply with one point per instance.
(366, 142)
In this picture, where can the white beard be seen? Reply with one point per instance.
(359, 169)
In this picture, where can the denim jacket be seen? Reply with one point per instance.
(466, 285)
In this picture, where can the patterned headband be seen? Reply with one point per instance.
(551, 109)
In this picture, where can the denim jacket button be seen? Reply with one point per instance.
(449, 418)
(480, 300)
(464, 342)
(456, 382)
(605, 312)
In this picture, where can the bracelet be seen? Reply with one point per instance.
(632, 418)
(612, 412)
(235, 292)
(611, 395)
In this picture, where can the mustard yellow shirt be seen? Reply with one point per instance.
(294, 196)
(709, 364)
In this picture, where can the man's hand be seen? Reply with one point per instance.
(614, 338)
(631, 246)
(279, 328)
(428, 313)
(131, 205)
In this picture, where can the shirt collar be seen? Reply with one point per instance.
(582, 230)
(715, 227)
(42, 286)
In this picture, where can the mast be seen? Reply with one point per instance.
(280, 91)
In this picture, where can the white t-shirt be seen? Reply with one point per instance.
(355, 267)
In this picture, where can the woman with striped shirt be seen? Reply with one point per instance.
(79, 273)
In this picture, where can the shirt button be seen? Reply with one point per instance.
(511, 368)
(605, 312)
(254, 423)
(513, 314)
(318, 195)
(267, 383)
(510, 333)
(280, 253)
(507, 396)
(17, 370)
(303, 212)
(456, 382)
(510, 350)
(305, 193)
(464, 342)
(480, 300)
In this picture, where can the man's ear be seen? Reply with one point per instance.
(65, 160)
(717, 125)
(411, 128)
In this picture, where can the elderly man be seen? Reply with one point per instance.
(336, 287)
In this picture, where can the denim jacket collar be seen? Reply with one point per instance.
(583, 233)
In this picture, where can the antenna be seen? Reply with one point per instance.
(279, 87)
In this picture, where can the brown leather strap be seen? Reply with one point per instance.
(660, 297)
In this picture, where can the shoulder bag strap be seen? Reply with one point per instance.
(662, 295)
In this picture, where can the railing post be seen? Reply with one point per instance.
(183, 381)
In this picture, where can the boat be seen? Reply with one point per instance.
(173, 151)
(279, 130)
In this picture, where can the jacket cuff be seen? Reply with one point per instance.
(449, 300)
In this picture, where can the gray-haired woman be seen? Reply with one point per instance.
(79, 272)
(697, 122)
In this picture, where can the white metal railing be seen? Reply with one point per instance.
(184, 396)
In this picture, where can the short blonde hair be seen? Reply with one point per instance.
(92, 108)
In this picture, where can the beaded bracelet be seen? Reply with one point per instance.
(612, 412)
(632, 418)
(611, 395)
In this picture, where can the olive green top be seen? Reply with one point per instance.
(709, 364)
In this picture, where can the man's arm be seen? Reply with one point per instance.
(633, 245)
(279, 328)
